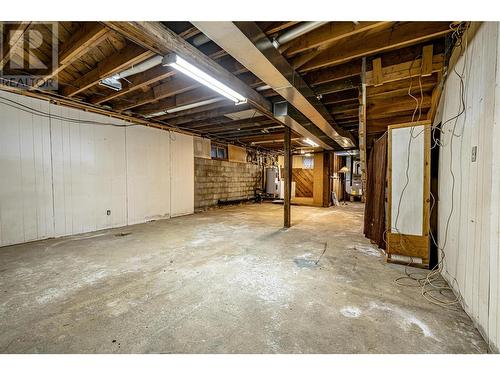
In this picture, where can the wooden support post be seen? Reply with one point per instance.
(288, 177)
(362, 129)
(427, 52)
(378, 77)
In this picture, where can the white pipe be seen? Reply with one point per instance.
(139, 68)
(297, 31)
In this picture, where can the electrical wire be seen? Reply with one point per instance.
(37, 112)
(433, 286)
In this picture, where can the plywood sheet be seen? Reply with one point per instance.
(407, 180)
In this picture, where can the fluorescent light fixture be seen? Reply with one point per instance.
(193, 105)
(192, 71)
(310, 142)
(111, 83)
(308, 154)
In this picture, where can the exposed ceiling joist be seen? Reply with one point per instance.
(87, 36)
(249, 45)
(16, 31)
(405, 70)
(129, 55)
(175, 86)
(136, 82)
(327, 34)
(398, 36)
(159, 39)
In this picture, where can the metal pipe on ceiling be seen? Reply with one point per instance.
(245, 42)
(296, 31)
(113, 82)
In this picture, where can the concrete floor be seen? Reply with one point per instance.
(224, 281)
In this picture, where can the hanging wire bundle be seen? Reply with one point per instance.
(434, 287)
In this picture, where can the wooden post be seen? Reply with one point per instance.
(362, 128)
(287, 176)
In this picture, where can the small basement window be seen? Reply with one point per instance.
(218, 152)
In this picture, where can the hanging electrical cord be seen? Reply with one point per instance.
(37, 112)
(434, 287)
(432, 291)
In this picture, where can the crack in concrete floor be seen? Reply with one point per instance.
(222, 281)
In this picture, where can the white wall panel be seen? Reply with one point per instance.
(182, 171)
(60, 176)
(472, 237)
(89, 172)
(25, 170)
(148, 174)
(407, 154)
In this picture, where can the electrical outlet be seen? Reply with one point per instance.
(108, 212)
(474, 153)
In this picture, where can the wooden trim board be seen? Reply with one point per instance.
(408, 244)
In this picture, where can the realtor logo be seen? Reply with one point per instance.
(29, 55)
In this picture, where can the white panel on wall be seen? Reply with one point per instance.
(25, 183)
(89, 172)
(471, 240)
(202, 147)
(182, 172)
(409, 203)
(148, 174)
(61, 176)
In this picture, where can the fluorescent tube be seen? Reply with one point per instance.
(310, 142)
(192, 71)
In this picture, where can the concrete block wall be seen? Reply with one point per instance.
(221, 179)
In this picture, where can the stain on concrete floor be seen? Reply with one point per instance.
(224, 281)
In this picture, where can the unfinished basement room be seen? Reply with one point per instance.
(249, 187)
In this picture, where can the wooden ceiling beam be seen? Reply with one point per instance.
(160, 40)
(143, 79)
(129, 55)
(398, 104)
(405, 70)
(400, 88)
(78, 44)
(208, 111)
(263, 137)
(227, 123)
(177, 85)
(339, 72)
(388, 107)
(336, 86)
(197, 95)
(275, 27)
(375, 126)
(136, 82)
(328, 34)
(16, 30)
(400, 35)
(340, 96)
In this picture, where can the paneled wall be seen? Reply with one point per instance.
(88, 164)
(68, 174)
(469, 188)
(26, 204)
(148, 169)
